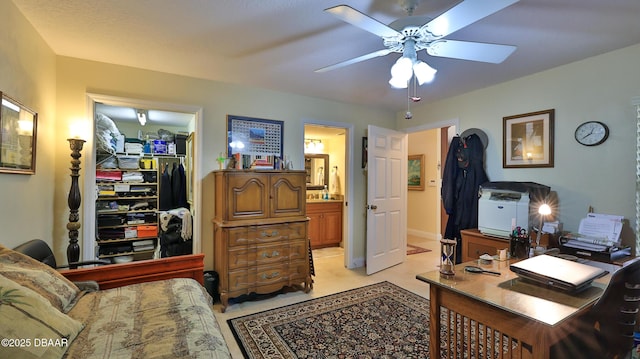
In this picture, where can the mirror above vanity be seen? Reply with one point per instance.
(317, 169)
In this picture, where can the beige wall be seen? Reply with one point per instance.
(77, 77)
(28, 74)
(599, 88)
(423, 206)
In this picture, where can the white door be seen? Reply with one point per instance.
(386, 198)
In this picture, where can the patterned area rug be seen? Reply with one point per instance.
(411, 249)
(377, 321)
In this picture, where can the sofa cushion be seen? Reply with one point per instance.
(39, 277)
(36, 330)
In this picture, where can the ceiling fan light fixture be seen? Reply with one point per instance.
(424, 73)
(402, 69)
(398, 83)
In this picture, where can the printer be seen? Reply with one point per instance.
(503, 206)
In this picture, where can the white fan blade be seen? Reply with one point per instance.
(355, 60)
(354, 17)
(463, 14)
(474, 51)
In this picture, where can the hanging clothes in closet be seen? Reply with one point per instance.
(173, 185)
(179, 186)
(166, 197)
(463, 174)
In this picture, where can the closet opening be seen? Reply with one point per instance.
(141, 199)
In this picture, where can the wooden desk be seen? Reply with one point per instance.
(471, 308)
(475, 244)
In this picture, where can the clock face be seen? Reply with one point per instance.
(592, 133)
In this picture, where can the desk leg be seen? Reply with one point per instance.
(434, 322)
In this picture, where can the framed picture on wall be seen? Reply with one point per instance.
(17, 137)
(528, 140)
(252, 140)
(415, 176)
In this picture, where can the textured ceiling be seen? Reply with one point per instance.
(277, 44)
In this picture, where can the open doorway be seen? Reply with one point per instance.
(429, 143)
(326, 163)
(174, 119)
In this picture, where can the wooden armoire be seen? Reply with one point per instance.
(260, 232)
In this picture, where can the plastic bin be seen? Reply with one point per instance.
(128, 162)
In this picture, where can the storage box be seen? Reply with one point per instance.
(160, 147)
(181, 144)
(148, 163)
(128, 162)
(148, 231)
(133, 147)
(130, 232)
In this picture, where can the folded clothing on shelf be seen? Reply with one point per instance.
(110, 220)
(132, 176)
(115, 249)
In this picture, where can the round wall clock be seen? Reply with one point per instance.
(591, 133)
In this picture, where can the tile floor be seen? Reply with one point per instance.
(332, 277)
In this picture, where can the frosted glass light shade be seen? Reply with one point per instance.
(424, 73)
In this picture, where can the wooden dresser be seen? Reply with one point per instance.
(260, 232)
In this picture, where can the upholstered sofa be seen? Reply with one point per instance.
(43, 314)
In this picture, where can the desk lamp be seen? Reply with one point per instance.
(544, 211)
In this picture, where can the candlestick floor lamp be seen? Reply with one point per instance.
(74, 200)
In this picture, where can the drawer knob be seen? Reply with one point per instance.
(266, 234)
(271, 276)
(270, 255)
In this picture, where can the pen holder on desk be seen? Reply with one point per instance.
(519, 247)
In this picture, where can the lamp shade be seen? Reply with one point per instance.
(424, 73)
(398, 83)
(402, 69)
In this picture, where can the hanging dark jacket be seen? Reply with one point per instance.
(179, 186)
(166, 196)
(463, 174)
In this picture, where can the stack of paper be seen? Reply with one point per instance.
(597, 232)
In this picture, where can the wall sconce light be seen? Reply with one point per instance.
(74, 200)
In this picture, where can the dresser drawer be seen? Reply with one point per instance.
(249, 279)
(242, 257)
(240, 236)
(256, 278)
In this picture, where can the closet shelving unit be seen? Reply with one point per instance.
(127, 211)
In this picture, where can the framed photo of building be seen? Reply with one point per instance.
(528, 140)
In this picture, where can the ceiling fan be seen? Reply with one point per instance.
(411, 34)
